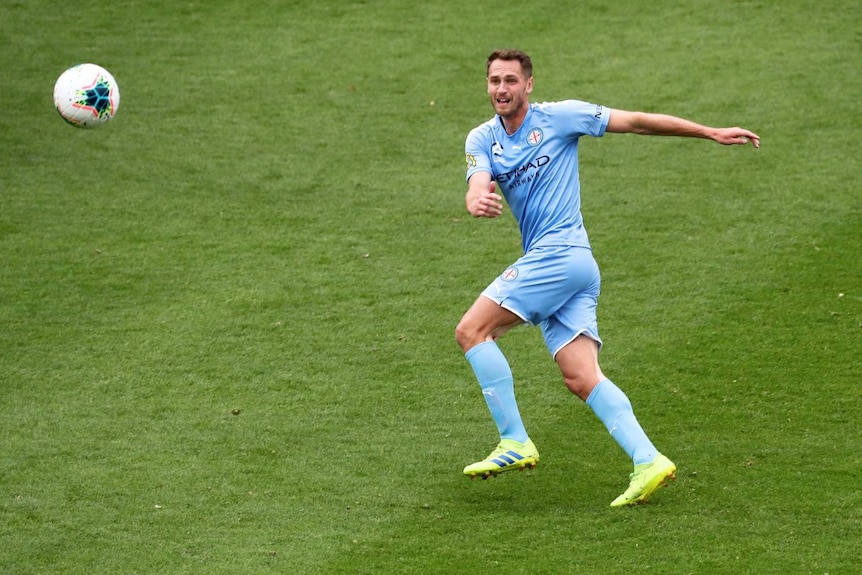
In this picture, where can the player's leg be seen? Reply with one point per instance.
(476, 333)
(527, 292)
(578, 361)
(486, 320)
(571, 334)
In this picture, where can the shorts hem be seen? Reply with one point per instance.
(507, 308)
(585, 332)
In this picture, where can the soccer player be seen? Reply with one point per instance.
(529, 154)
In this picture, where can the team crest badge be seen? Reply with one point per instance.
(535, 137)
(510, 274)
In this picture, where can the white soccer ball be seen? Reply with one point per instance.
(86, 96)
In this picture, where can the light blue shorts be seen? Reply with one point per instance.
(556, 288)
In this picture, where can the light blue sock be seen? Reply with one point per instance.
(613, 407)
(498, 387)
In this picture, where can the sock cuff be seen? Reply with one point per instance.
(595, 392)
(489, 364)
(478, 348)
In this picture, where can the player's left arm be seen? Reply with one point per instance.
(647, 124)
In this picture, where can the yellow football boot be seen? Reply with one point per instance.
(646, 478)
(508, 455)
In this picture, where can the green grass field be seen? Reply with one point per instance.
(226, 318)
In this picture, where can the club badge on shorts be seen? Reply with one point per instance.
(510, 274)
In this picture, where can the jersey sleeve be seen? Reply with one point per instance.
(581, 118)
(477, 152)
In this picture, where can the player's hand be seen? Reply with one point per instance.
(486, 204)
(736, 136)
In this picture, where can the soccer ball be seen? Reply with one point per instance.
(86, 96)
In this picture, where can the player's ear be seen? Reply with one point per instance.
(529, 85)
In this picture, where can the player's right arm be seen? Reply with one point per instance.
(482, 199)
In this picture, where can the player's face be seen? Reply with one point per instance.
(508, 88)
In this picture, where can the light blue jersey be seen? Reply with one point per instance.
(536, 168)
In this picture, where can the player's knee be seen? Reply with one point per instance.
(581, 383)
(461, 333)
(467, 336)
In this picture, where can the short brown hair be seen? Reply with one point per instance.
(506, 54)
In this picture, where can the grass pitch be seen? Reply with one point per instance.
(226, 317)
